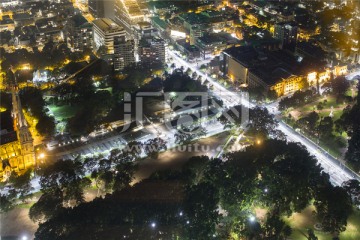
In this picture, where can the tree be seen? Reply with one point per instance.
(103, 174)
(275, 228)
(194, 169)
(352, 187)
(22, 183)
(298, 98)
(185, 134)
(32, 99)
(309, 122)
(261, 169)
(353, 153)
(325, 127)
(152, 147)
(272, 95)
(133, 149)
(47, 207)
(311, 235)
(46, 125)
(188, 71)
(180, 82)
(233, 116)
(262, 123)
(124, 175)
(339, 86)
(200, 206)
(66, 176)
(6, 203)
(333, 206)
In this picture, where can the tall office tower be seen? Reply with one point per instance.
(102, 8)
(152, 50)
(124, 53)
(128, 13)
(286, 32)
(104, 32)
(97, 8)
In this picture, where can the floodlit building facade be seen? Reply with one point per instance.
(16, 144)
(104, 32)
(128, 13)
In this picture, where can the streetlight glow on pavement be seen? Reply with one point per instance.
(337, 174)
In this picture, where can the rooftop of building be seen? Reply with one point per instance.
(269, 65)
(161, 23)
(194, 18)
(290, 23)
(187, 46)
(212, 13)
(7, 133)
(243, 54)
(6, 122)
(217, 38)
(271, 75)
(106, 24)
(311, 49)
(6, 21)
(78, 20)
(22, 16)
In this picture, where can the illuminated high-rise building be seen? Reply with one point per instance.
(128, 13)
(97, 8)
(124, 53)
(104, 32)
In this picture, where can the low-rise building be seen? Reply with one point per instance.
(7, 24)
(190, 51)
(213, 44)
(270, 70)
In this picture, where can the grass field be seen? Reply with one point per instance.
(62, 112)
(301, 222)
(328, 104)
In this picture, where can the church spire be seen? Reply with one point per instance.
(17, 113)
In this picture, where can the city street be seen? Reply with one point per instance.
(338, 173)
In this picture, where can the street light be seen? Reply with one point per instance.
(252, 218)
(153, 225)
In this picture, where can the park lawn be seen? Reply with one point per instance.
(353, 227)
(25, 205)
(301, 222)
(326, 113)
(330, 102)
(63, 112)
